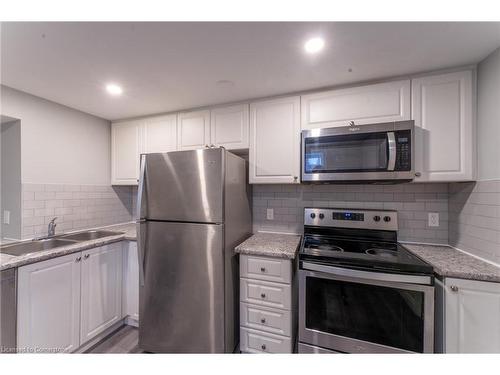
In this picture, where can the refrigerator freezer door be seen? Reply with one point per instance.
(184, 186)
(182, 300)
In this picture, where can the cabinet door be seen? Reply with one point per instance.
(48, 304)
(274, 155)
(193, 130)
(229, 127)
(130, 305)
(444, 136)
(383, 102)
(160, 134)
(472, 316)
(101, 290)
(125, 151)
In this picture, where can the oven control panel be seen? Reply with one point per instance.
(348, 218)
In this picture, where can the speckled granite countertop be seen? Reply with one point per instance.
(450, 262)
(128, 232)
(275, 245)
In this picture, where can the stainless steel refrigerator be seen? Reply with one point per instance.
(194, 208)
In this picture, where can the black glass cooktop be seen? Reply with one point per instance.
(370, 251)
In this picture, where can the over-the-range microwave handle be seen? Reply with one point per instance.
(391, 144)
(367, 275)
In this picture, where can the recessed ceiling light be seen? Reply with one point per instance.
(114, 89)
(314, 45)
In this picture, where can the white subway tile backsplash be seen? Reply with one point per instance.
(412, 201)
(76, 207)
(474, 218)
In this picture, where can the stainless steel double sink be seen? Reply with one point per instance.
(28, 247)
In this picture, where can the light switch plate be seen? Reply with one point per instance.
(433, 220)
(270, 214)
(6, 217)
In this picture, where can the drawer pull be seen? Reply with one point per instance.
(263, 295)
(263, 346)
(86, 256)
(262, 269)
(78, 259)
(263, 320)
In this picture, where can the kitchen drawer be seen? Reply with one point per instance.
(263, 268)
(266, 319)
(253, 341)
(265, 293)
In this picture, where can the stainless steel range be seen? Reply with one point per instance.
(360, 291)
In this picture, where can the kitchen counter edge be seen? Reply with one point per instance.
(128, 234)
(451, 262)
(275, 245)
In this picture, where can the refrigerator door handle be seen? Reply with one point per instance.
(141, 240)
(140, 190)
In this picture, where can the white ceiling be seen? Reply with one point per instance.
(170, 66)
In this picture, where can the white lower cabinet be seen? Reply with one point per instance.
(66, 301)
(101, 290)
(471, 316)
(48, 305)
(267, 318)
(130, 305)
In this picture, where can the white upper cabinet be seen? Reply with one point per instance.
(274, 155)
(125, 150)
(472, 316)
(48, 304)
(160, 134)
(229, 127)
(382, 102)
(442, 107)
(193, 130)
(101, 289)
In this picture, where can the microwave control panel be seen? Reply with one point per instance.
(403, 150)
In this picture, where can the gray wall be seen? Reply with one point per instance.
(412, 201)
(475, 206)
(10, 177)
(59, 145)
(488, 117)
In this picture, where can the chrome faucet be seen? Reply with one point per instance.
(51, 230)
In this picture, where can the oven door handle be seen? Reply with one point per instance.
(367, 275)
(391, 145)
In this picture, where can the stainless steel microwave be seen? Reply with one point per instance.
(366, 153)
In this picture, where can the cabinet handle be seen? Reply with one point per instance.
(454, 288)
(78, 259)
(418, 174)
(86, 256)
(295, 178)
(263, 346)
(263, 295)
(262, 269)
(212, 146)
(263, 320)
(351, 123)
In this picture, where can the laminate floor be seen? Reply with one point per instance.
(123, 341)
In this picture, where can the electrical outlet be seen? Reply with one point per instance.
(270, 214)
(6, 217)
(433, 220)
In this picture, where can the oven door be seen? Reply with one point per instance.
(366, 312)
(369, 153)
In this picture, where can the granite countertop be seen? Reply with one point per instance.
(277, 245)
(450, 262)
(128, 232)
